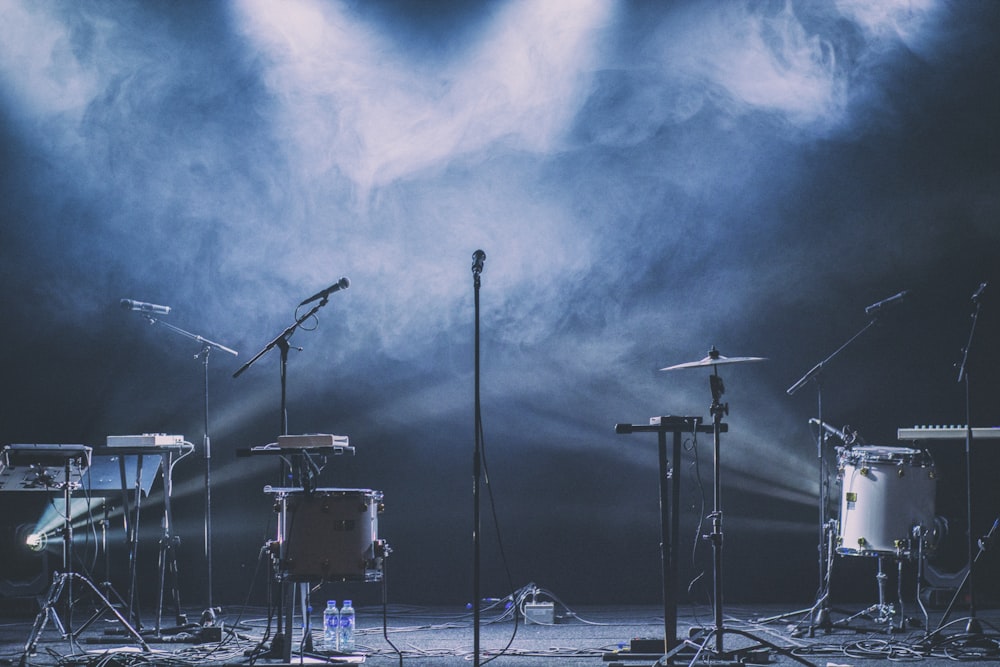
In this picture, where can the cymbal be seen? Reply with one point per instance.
(713, 359)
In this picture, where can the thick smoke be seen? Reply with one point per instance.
(646, 181)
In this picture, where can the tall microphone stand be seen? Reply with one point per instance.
(477, 465)
(206, 348)
(282, 644)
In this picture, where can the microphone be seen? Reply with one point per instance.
(843, 435)
(879, 305)
(343, 283)
(979, 292)
(143, 307)
(478, 258)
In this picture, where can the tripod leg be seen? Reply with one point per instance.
(55, 591)
(175, 590)
(899, 594)
(920, 580)
(110, 608)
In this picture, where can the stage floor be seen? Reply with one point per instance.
(587, 636)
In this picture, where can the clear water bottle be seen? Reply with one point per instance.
(347, 620)
(331, 626)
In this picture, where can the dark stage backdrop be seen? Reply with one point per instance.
(647, 180)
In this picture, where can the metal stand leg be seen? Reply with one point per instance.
(64, 582)
(881, 612)
(719, 630)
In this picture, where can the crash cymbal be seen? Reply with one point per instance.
(713, 359)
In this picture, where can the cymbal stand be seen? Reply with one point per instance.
(63, 581)
(719, 630)
(819, 613)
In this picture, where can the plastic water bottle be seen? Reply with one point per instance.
(331, 626)
(347, 620)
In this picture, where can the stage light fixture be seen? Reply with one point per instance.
(36, 541)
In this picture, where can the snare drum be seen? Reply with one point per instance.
(332, 535)
(887, 492)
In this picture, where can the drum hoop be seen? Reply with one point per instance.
(886, 454)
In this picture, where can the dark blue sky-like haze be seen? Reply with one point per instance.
(647, 180)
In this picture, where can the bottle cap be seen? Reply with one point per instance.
(331, 603)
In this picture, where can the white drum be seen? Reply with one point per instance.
(887, 492)
(332, 535)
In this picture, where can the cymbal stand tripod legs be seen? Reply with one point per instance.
(108, 591)
(719, 630)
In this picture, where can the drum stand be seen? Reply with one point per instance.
(883, 612)
(704, 650)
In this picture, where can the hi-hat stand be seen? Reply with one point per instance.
(715, 650)
(62, 582)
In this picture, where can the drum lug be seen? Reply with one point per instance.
(382, 549)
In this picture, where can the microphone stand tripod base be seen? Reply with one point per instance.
(821, 620)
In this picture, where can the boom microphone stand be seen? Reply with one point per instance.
(819, 613)
(973, 627)
(282, 644)
(206, 347)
